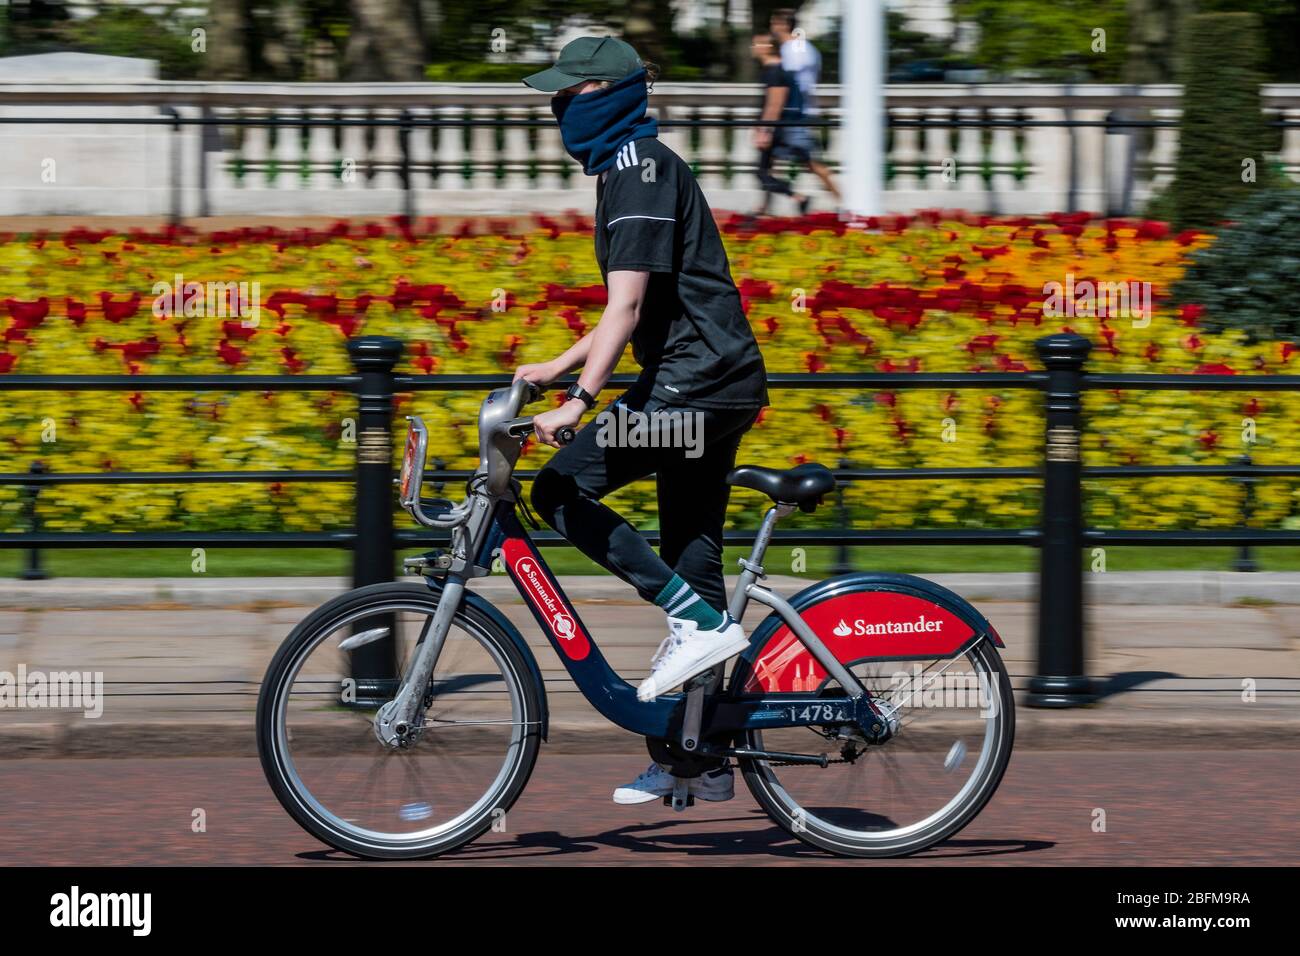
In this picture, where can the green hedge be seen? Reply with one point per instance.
(1249, 278)
(1222, 123)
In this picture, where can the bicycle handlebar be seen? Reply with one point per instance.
(523, 426)
(522, 392)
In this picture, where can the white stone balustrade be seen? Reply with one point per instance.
(125, 169)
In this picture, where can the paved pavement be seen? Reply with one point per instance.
(1191, 807)
(182, 659)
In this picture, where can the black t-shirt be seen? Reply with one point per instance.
(776, 75)
(692, 341)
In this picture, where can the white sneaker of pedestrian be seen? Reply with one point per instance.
(687, 651)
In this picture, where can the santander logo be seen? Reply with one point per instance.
(860, 627)
(538, 589)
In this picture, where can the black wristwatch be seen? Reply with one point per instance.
(577, 391)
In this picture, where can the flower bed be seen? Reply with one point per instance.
(932, 293)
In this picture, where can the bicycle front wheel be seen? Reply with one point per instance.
(955, 723)
(477, 735)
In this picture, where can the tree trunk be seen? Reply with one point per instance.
(385, 43)
(226, 57)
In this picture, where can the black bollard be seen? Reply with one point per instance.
(1060, 680)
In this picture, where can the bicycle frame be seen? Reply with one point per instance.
(723, 715)
(484, 526)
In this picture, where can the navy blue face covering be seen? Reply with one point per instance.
(594, 125)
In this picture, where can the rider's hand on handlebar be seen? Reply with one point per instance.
(540, 374)
(547, 424)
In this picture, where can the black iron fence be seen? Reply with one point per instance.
(1060, 536)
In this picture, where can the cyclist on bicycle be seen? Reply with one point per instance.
(703, 382)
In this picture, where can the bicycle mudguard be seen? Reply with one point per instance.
(867, 616)
(484, 607)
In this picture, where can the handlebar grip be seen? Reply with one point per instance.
(565, 435)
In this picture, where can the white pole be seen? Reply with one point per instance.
(862, 107)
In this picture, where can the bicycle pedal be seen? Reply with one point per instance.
(681, 797)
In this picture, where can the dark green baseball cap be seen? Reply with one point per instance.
(587, 58)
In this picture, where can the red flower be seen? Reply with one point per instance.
(509, 357)
(229, 354)
(7, 362)
(237, 330)
(756, 289)
(1208, 439)
(294, 364)
(813, 362)
(76, 311)
(1214, 369)
(117, 311)
(573, 319)
(1150, 229)
(1189, 314)
(28, 315)
(347, 324)
(142, 349)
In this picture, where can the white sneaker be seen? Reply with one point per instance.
(716, 785)
(687, 651)
(656, 783)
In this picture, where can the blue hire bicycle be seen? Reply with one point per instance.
(871, 714)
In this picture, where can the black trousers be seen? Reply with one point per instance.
(692, 489)
(770, 182)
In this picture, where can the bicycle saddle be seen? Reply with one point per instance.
(803, 486)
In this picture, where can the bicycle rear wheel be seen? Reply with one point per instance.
(478, 737)
(956, 724)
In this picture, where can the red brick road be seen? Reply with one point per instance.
(1179, 807)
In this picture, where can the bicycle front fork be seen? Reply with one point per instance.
(395, 723)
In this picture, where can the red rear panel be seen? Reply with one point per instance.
(880, 625)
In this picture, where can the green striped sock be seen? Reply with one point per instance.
(679, 599)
